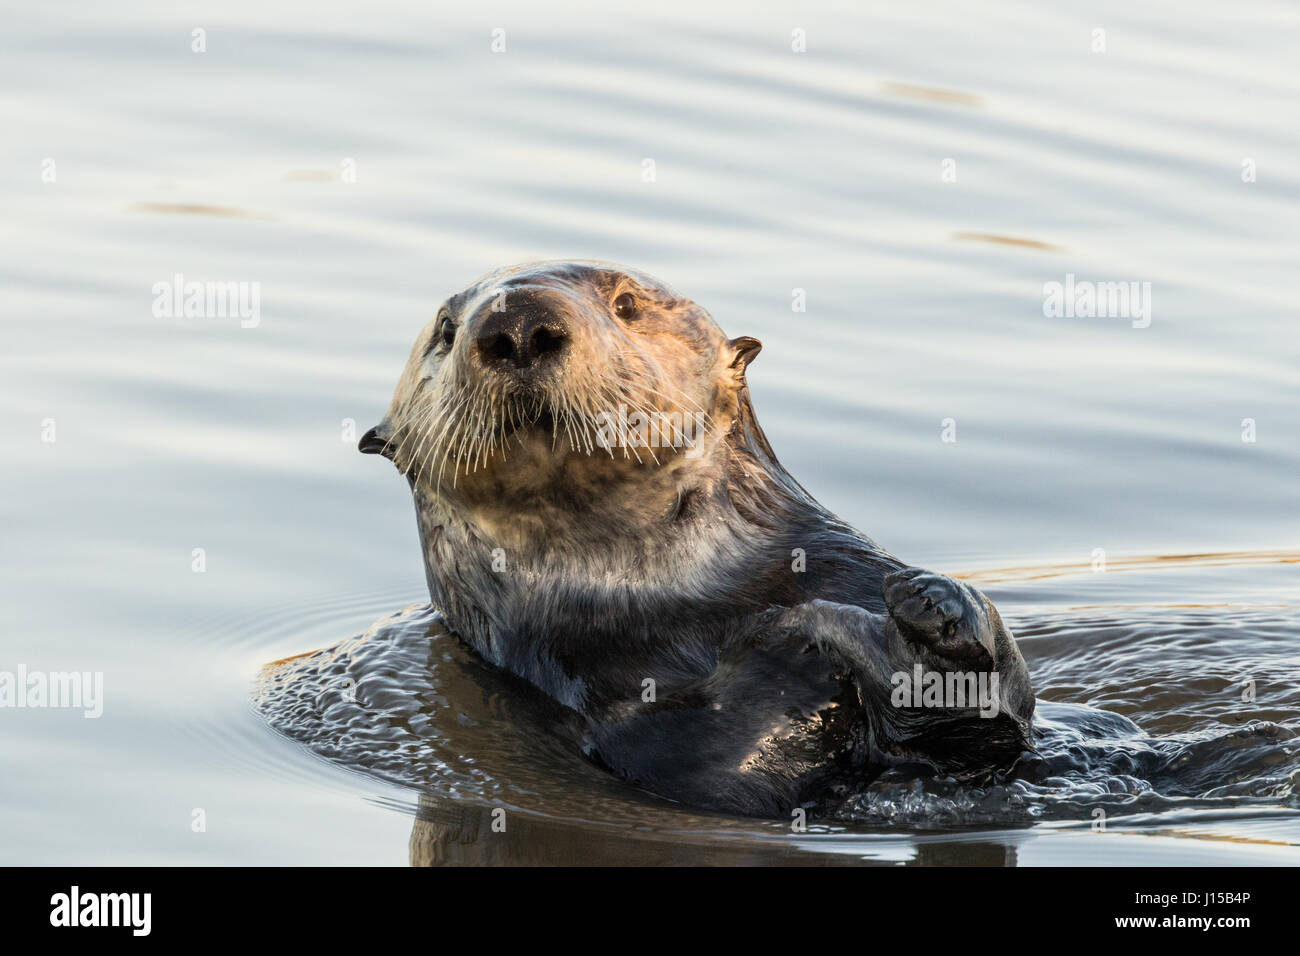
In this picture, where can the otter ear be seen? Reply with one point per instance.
(377, 441)
(744, 350)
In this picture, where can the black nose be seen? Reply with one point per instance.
(524, 335)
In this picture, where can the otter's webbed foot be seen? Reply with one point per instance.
(944, 616)
(938, 674)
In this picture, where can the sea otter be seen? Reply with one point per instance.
(601, 515)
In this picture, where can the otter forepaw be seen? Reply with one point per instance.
(942, 615)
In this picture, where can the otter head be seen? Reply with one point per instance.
(578, 386)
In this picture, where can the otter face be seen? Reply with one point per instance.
(550, 377)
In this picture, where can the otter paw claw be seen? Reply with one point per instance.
(945, 616)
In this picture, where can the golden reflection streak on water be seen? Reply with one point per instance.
(272, 665)
(1211, 837)
(334, 651)
(1130, 563)
(933, 94)
(1006, 241)
(198, 209)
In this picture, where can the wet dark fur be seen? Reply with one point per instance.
(771, 685)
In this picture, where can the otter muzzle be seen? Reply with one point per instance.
(374, 442)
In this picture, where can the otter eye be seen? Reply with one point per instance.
(625, 306)
(444, 333)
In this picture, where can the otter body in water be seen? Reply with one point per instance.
(602, 516)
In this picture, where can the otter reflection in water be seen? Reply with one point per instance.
(446, 833)
(723, 640)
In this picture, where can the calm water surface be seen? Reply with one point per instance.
(774, 171)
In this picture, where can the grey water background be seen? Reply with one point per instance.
(774, 171)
